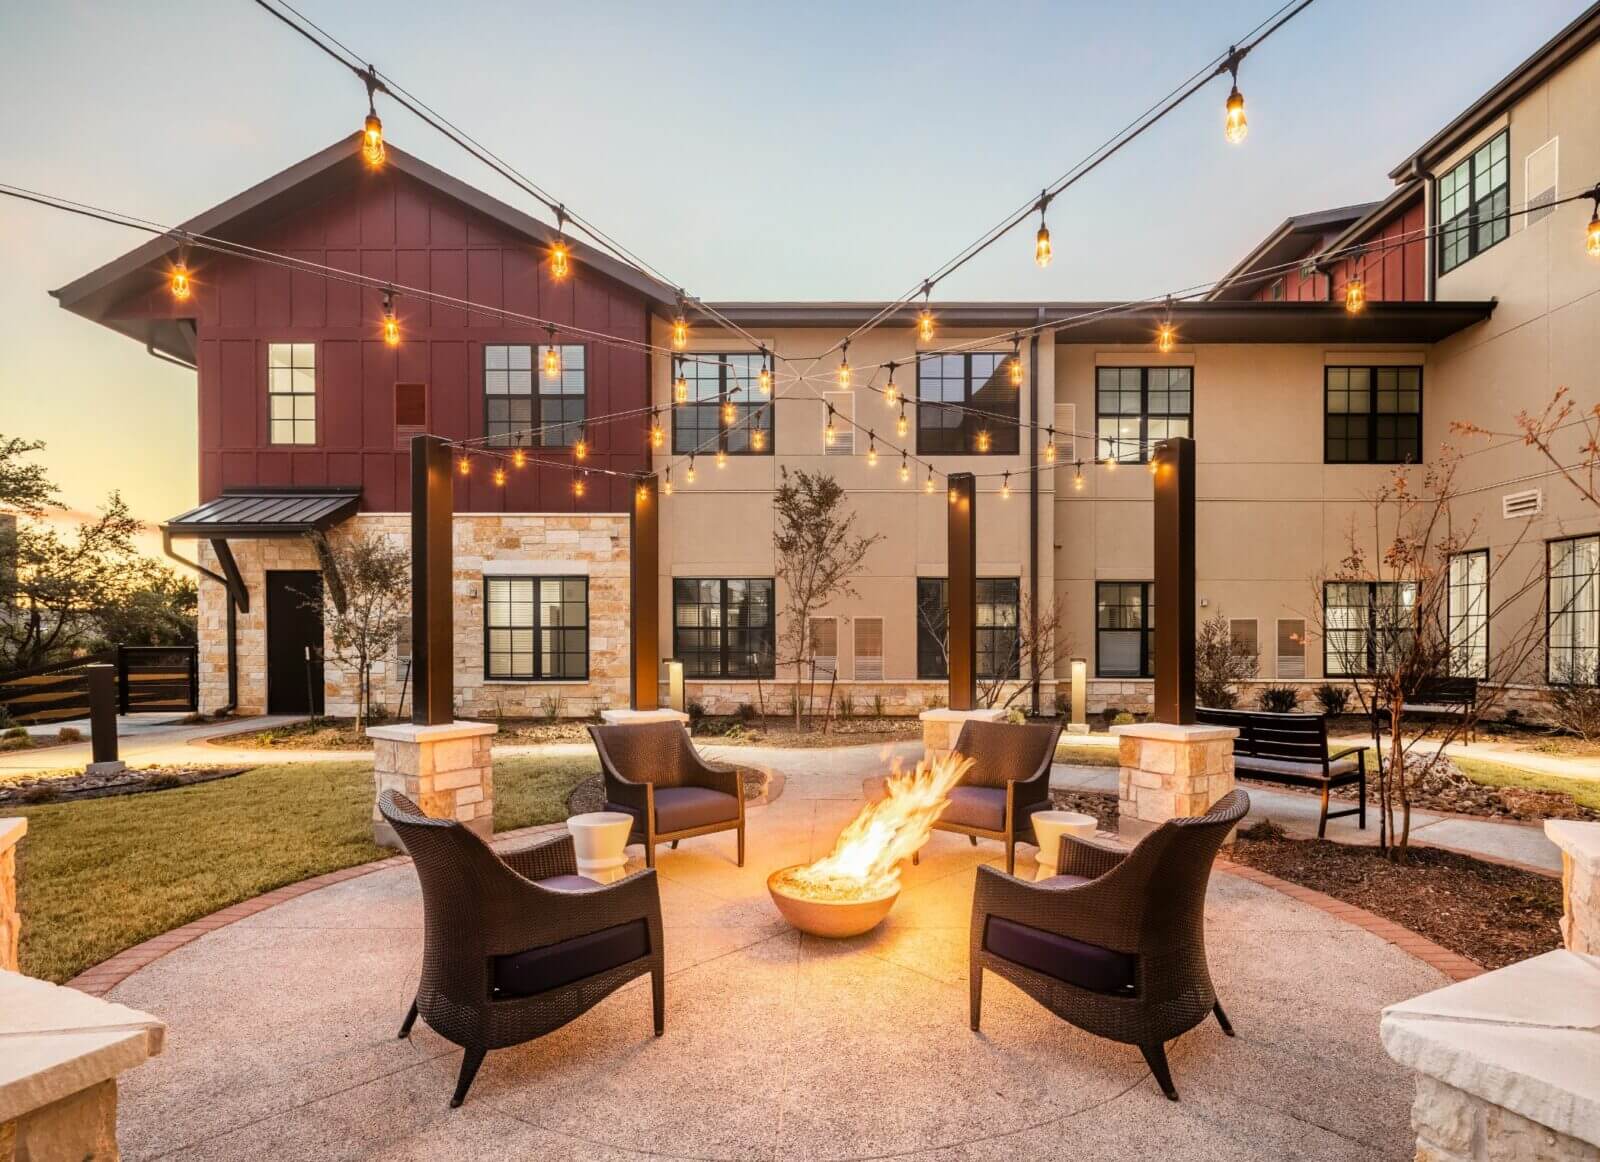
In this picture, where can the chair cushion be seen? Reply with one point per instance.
(680, 808)
(570, 883)
(1088, 966)
(538, 970)
(983, 807)
(1290, 767)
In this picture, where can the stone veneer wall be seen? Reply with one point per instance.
(598, 542)
(11, 831)
(900, 699)
(1454, 1126)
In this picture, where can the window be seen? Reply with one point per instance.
(1373, 415)
(1242, 638)
(979, 382)
(698, 427)
(1366, 624)
(1573, 654)
(723, 629)
(1474, 201)
(410, 412)
(1467, 614)
(1124, 629)
(562, 397)
(843, 442)
(999, 645)
(825, 645)
(292, 392)
(536, 628)
(1136, 406)
(868, 649)
(1291, 647)
(509, 393)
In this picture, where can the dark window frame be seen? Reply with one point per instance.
(536, 627)
(508, 431)
(1449, 611)
(1373, 414)
(723, 629)
(1146, 630)
(1369, 631)
(1468, 224)
(1146, 441)
(732, 439)
(1004, 427)
(1550, 608)
(933, 661)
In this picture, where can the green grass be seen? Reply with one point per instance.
(1086, 755)
(1585, 792)
(101, 875)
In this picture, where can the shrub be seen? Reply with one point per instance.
(1262, 829)
(1219, 663)
(1123, 718)
(163, 781)
(847, 706)
(39, 793)
(877, 706)
(1015, 716)
(15, 732)
(747, 711)
(69, 734)
(6, 721)
(1333, 699)
(696, 710)
(1574, 705)
(16, 742)
(552, 707)
(935, 701)
(1280, 699)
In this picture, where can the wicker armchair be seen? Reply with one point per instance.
(1116, 944)
(1008, 781)
(514, 947)
(653, 772)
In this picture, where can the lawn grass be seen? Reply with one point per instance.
(101, 875)
(1585, 792)
(1085, 755)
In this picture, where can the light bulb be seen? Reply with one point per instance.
(1166, 337)
(927, 485)
(643, 494)
(1042, 251)
(1355, 296)
(181, 289)
(680, 390)
(901, 424)
(729, 414)
(872, 452)
(1016, 371)
(891, 393)
(1077, 478)
(500, 477)
(1111, 462)
(1236, 127)
(954, 496)
(1050, 447)
(581, 448)
(1005, 487)
(829, 432)
(560, 265)
(579, 487)
(464, 465)
(983, 440)
(518, 458)
(844, 373)
(552, 361)
(689, 474)
(764, 377)
(925, 325)
(372, 141)
(680, 332)
(722, 458)
(758, 439)
(667, 485)
(1592, 245)
(391, 326)
(1153, 465)
(657, 436)
(905, 469)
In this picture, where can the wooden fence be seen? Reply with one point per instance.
(149, 678)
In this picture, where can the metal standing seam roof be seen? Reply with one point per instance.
(267, 512)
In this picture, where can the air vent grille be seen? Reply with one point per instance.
(1529, 502)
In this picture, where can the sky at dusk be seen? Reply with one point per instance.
(748, 150)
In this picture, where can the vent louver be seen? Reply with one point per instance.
(1522, 504)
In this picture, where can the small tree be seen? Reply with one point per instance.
(818, 554)
(1040, 646)
(366, 589)
(1220, 663)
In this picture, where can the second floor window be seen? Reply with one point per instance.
(526, 406)
(1124, 629)
(723, 628)
(1474, 203)
(984, 418)
(999, 648)
(1573, 654)
(1366, 624)
(292, 393)
(1373, 415)
(1137, 406)
(700, 425)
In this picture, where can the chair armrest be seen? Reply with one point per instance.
(1087, 857)
(1349, 750)
(1095, 912)
(625, 791)
(552, 857)
(538, 915)
(722, 777)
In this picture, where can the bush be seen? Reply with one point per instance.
(163, 781)
(1574, 706)
(1280, 699)
(1123, 718)
(877, 706)
(696, 711)
(847, 706)
(1263, 829)
(1219, 664)
(1015, 716)
(15, 732)
(16, 742)
(1333, 699)
(69, 734)
(747, 711)
(6, 721)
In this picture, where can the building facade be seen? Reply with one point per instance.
(1480, 303)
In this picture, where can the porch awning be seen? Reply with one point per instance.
(266, 512)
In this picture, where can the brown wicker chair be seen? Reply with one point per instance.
(1008, 781)
(515, 946)
(1116, 944)
(653, 772)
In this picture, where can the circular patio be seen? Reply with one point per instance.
(282, 1027)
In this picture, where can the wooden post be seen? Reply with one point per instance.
(962, 591)
(1174, 581)
(102, 680)
(645, 599)
(432, 622)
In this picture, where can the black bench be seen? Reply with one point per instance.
(1439, 698)
(1292, 749)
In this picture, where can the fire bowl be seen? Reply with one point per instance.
(830, 918)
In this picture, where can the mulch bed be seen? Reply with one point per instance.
(1489, 913)
(69, 788)
(1102, 806)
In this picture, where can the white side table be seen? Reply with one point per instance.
(1049, 827)
(600, 840)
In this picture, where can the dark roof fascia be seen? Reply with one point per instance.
(1552, 55)
(340, 504)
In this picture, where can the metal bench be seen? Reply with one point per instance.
(1440, 698)
(1293, 749)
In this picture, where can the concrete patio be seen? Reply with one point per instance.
(281, 1034)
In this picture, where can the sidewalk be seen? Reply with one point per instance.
(146, 739)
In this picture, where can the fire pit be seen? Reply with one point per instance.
(851, 890)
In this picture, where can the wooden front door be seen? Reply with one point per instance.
(294, 641)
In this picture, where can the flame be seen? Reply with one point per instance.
(866, 858)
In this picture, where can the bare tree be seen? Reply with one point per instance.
(1039, 646)
(1539, 431)
(1385, 618)
(1220, 663)
(365, 600)
(819, 553)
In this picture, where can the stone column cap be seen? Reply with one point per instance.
(12, 830)
(1580, 841)
(440, 732)
(1525, 1037)
(56, 1041)
(944, 714)
(1172, 732)
(625, 717)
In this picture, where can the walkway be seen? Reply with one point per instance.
(281, 1032)
(147, 739)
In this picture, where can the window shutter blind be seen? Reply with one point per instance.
(1291, 648)
(844, 439)
(1066, 421)
(1540, 173)
(825, 644)
(869, 649)
(1242, 635)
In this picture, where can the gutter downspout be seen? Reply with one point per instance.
(1430, 279)
(165, 358)
(233, 618)
(1033, 507)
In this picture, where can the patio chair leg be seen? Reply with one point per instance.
(658, 999)
(1222, 1019)
(976, 990)
(916, 857)
(1322, 820)
(649, 855)
(411, 1019)
(1011, 857)
(1362, 818)
(1155, 1056)
(469, 1070)
(974, 839)
(741, 846)
(674, 845)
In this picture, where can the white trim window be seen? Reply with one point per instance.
(1467, 614)
(1573, 653)
(292, 393)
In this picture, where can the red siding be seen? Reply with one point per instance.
(390, 226)
(1394, 267)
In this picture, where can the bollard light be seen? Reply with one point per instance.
(675, 685)
(1078, 723)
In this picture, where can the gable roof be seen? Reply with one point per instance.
(1294, 237)
(96, 295)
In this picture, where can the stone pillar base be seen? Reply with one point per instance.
(1580, 882)
(1170, 772)
(446, 770)
(632, 717)
(11, 833)
(941, 728)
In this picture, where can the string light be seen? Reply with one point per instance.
(722, 458)
(872, 450)
(464, 465)
(688, 475)
(902, 425)
(1042, 251)
(667, 485)
(1077, 476)
(643, 494)
(891, 393)
(954, 496)
(552, 357)
(518, 458)
(927, 485)
(844, 365)
(905, 469)
(391, 326)
(1355, 295)
(372, 131)
(680, 328)
(1050, 446)
(658, 437)
(730, 414)
(1235, 127)
(1153, 465)
(560, 265)
(1005, 487)
(1592, 243)
(1016, 362)
(829, 433)
(983, 439)
(758, 439)
(500, 477)
(580, 485)
(580, 448)
(680, 388)
(178, 282)
(764, 376)
(1167, 332)
(925, 316)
